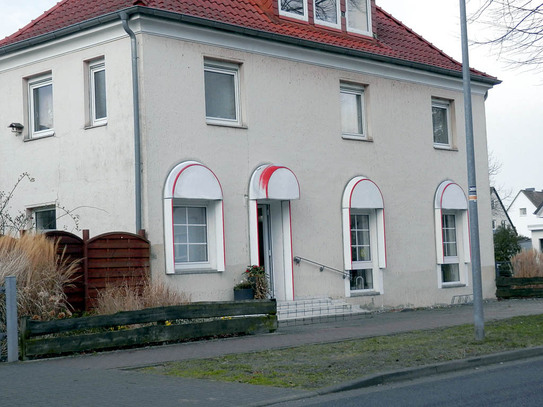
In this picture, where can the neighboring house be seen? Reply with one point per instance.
(500, 217)
(522, 211)
(537, 229)
(252, 132)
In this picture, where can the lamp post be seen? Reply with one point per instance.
(472, 184)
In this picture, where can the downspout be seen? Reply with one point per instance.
(136, 105)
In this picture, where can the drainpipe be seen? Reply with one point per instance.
(136, 105)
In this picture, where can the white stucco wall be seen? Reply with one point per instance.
(292, 117)
(87, 171)
(522, 222)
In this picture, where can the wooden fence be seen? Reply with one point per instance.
(164, 324)
(105, 260)
(513, 287)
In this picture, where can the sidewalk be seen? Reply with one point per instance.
(107, 378)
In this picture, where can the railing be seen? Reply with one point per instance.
(322, 267)
(11, 319)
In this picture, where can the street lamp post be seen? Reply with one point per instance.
(472, 184)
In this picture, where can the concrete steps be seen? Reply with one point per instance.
(314, 310)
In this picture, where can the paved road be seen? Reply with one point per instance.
(101, 379)
(514, 384)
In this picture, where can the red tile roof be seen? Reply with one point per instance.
(393, 40)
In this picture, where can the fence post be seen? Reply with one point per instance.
(11, 319)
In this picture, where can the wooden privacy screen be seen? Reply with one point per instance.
(106, 260)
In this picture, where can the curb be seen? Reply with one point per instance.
(415, 373)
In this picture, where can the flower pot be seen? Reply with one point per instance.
(243, 294)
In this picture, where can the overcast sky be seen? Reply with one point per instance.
(514, 108)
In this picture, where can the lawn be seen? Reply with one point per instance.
(316, 366)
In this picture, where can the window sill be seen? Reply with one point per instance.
(226, 124)
(357, 138)
(38, 137)
(443, 147)
(364, 293)
(93, 126)
(452, 285)
(179, 272)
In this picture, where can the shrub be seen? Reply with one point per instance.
(41, 275)
(528, 263)
(131, 297)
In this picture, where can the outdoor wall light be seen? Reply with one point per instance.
(16, 128)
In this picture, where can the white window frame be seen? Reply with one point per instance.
(451, 200)
(303, 16)
(94, 67)
(35, 83)
(192, 184)
(362, 196)
(36, 211)
(226, 69)
(446, 105)
(358, 91)
(369, 32)
(327, 23)
(522, 212)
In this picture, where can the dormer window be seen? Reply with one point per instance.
(359, 16)
(293, 8)
(327, 12)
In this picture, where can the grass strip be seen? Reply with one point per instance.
(315, 366)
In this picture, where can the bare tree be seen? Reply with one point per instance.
(517, 30)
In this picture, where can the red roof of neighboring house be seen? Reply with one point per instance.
(393, 40)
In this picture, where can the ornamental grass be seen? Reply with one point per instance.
(528, 263)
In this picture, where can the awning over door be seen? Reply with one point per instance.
(274, 182)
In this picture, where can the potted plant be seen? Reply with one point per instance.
(254, 284)
(243, 291)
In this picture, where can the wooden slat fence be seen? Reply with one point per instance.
(513, 287)
(107, 260)
(164, 324)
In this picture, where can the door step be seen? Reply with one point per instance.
(315, 310)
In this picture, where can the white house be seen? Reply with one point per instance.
(522, 211)
(252, 132)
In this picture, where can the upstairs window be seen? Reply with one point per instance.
(97, 87)
(222, 93)
(522, 211)
(327, 12)
(40, 98)
(294, 8)
(441, 123)
(352, 112)
(359, 16)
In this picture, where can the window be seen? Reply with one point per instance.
(40, 98)
(441, 122)
(450, 272)
(97, 91)
(452, 234)
(359, 16)
(193, 220)
(44, 219)
(361, 277)
(222, 93)
(352, 112)
(293, 8)
(363, 237)
(327, 12)
(522, 211)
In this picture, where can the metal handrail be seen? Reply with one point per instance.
(345, 274)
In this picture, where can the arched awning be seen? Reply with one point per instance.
(362, 193)
(192, 180)
(274, 182)
(449, 195)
